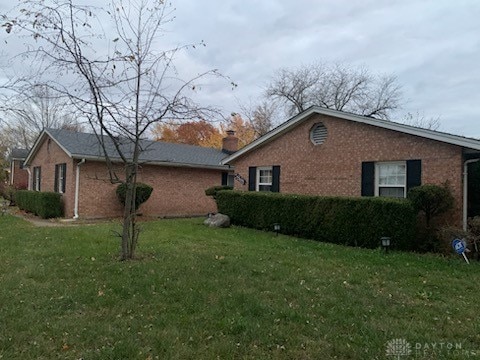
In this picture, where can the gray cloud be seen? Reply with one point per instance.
(432, 46)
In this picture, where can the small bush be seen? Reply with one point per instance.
(432, 200)
(44, 204)
(443, 240)
(474, 226)
(341, 220)
(143, 192)
(8, 192)
(212, 191)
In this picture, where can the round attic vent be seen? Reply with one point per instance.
(318, 134)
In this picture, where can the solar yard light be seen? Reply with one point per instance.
(385, 243)
(276, 228)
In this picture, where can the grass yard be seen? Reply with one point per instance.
(200, 293)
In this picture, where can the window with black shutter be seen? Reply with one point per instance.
(60, 178)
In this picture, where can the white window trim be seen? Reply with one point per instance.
(257, 183)
(61, 176)
(377, 176)
(36, 178)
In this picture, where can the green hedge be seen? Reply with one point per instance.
(347, 221)
(142, 193)
(212, 191)
(44, 204)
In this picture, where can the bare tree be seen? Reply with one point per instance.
(120, 81)
(261, 117)
(337, 87)
(420, 120)
(31, 109)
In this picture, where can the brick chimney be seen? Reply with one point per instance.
(230, 142)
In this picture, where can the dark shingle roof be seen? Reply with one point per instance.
(85, 145)
(18, 154)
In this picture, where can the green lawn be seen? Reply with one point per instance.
(200, 293)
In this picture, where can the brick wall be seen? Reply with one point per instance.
(177, 191)
(20, 176)
(334, 167)
(48, 155)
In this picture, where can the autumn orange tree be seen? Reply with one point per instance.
(203, 133)
(244, 129)
(199, 133)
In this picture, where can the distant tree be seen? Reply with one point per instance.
(199, 133)
(261, 117)
(31, 109)
(244, 130)
(202, 133)
(3, 163)
(419, 119)
(337, 87)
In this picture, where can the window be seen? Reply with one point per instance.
(391, 179)
(264, 179)
(37, 177)
(60, 174)
(228, 179)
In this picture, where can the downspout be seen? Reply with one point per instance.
(465, 190)
(77, 188)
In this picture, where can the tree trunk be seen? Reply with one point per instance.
(129, 231)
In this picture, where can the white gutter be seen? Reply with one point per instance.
(77, 187)
(465, 190)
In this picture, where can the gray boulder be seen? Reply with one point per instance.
(218, 220)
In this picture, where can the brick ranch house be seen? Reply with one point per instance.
(72, 164)
(333, 153)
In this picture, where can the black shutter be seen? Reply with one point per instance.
(34, 179)
(55, 184)
(39, 178)
(64, 180)
(368, 178)
(252, 178)
(224, 178)
(414, 173)
(276, 179)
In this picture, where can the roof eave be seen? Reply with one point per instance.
(156, 163)
(33, 151)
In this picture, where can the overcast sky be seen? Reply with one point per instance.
(433, 47)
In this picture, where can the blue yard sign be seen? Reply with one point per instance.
(460, 246)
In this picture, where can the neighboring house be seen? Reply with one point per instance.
(72, 164)
(332, 153)
(18, 176)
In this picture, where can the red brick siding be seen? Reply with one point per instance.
(334, 167)
(177, 191)
(20, 176)
(48, 155)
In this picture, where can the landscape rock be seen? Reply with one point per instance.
(218, 220)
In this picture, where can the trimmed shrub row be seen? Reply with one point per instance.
(44, 204)
(212, 191)
(340, 220)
